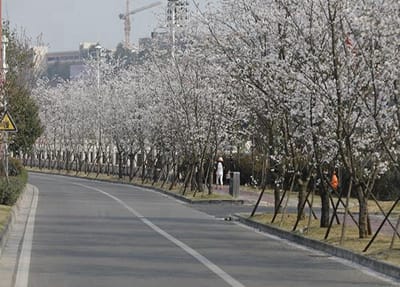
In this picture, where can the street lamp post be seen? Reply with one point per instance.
(98, 55)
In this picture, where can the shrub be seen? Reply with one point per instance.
(245, 165)
(15, 167)
(387, 187)
(18, 177)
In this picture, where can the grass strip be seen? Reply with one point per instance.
(380, 250)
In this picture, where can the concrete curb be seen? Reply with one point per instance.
(5, 233)
(373, 264)
(174, 195)
(200, 201)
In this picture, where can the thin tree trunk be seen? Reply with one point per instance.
(288, 198)
(277, 199)
(346, 211)
(302, 198)
(186, 182)
(120, 162)
(363, 213)
(311, 209)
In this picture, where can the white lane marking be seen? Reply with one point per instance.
(24, 261)
(207, 263)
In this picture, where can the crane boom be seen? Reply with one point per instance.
(127, 21)
(144, 8)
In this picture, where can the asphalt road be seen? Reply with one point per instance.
(89, 233)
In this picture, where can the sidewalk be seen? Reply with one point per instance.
(251, 197)
(14, 236)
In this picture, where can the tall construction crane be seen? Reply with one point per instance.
(127, 20)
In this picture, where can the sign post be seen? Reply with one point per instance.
(7, 123)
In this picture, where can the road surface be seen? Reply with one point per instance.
(89, 233)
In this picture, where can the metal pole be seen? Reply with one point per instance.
(100, 98)
(2, 79)
(4, 46)
(98, 90)
(1, 26)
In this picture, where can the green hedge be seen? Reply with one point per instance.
(18, 178)
(246, 164)
(387, 187)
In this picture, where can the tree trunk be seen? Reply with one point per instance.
(40, 160)
(131, 159)
(210, 179)
(302, 198)
(200, 179)
(188, 178)
(277, 199)
(166, 175)
(175, 176)
(120, 165)
(86, 170)
(363, 213)
(324, 206)
(143, 168)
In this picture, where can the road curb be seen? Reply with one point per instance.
(5, 233)
(174, 195)
(373, 264)
(200, 201)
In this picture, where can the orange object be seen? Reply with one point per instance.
(334, 181)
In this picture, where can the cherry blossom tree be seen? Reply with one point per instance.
(314, 85)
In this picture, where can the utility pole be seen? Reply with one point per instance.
(101, 109)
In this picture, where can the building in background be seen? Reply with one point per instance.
(69, 64)
(177, 13)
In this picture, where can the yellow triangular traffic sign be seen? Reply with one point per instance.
(7, 124)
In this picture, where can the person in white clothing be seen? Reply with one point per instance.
(220, 172)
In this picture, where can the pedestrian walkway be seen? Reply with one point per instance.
(9, 257)
(251, 197)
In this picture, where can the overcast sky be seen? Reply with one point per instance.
(66, 23)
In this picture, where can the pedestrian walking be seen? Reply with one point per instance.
(220, 172)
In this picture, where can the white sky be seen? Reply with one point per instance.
(66, 23)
